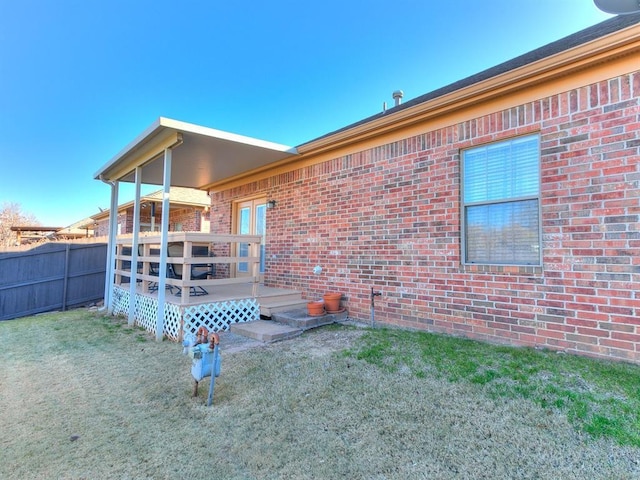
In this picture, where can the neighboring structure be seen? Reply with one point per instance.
(503, 207)
(80, 229)
(27, 234)
(30, 234)
(189, 213)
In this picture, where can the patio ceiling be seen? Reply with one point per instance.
(201, 156)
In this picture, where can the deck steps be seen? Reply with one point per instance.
(285, 325)
(281, 302)
(271, 308)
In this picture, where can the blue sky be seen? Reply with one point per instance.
(81, 79)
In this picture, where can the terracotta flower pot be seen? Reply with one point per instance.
(332, 301)
(315, 308)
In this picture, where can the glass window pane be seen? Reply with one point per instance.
(243, 251)
(503, 233)
(245, 218)
(261, 222)
(261, 219)
(502, 171)
(245, 229)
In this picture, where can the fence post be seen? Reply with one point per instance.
(65, 277)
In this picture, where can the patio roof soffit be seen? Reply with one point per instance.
(201, 156)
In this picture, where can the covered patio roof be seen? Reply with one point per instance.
(201, 156)
(176, 154)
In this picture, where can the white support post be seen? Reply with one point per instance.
(164, 233)
(111, 248)
(133, 278)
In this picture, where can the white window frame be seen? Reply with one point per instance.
(497, 199)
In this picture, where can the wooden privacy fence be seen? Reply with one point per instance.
(52, 276)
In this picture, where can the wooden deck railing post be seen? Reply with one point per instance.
(254, 251)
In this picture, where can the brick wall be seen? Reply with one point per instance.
(101, 228)
(191, 219)
(389, 218)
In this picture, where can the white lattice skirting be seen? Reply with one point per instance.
(214, 316)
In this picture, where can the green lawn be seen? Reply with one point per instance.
(600, 398)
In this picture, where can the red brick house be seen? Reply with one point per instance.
(503, 207)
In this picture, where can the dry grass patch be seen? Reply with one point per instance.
(84, 396)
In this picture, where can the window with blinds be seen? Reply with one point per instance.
(501, 202)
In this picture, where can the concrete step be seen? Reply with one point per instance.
(285, 324)
(299, 318)
(265, 330)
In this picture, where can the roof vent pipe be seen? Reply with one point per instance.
(397, 96)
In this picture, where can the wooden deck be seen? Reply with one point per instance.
(270, 299)
(225, 268)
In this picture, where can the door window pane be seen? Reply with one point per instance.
(244, 222)
(261, 225)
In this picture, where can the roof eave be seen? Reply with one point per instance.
(146, 146)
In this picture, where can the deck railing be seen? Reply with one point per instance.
(220, 254)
